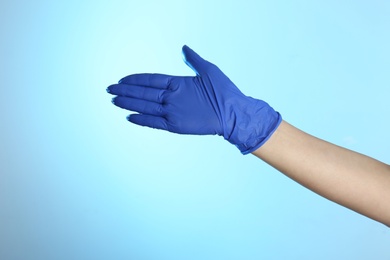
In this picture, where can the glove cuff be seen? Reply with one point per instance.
(253, 125)
(253, 144)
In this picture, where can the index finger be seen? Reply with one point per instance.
(160, 81)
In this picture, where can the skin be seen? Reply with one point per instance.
(350, 179)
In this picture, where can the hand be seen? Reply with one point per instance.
(206, 104)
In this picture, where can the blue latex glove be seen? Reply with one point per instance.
(206, 104)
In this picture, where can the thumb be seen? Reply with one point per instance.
(194, 61)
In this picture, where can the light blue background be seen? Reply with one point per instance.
(79, 182)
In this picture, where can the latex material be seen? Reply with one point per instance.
(206, 104)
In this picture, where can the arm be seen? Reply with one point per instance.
(210, 104)
(348, 178)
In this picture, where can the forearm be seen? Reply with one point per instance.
(343, 176)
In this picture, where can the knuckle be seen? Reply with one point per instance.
(159, 110)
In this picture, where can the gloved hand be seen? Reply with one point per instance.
(206, 104)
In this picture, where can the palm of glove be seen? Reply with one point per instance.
(189, 107)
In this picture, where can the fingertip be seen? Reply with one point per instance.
(135, 119)
(185, 48)
(111, 89)
(186, 51)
